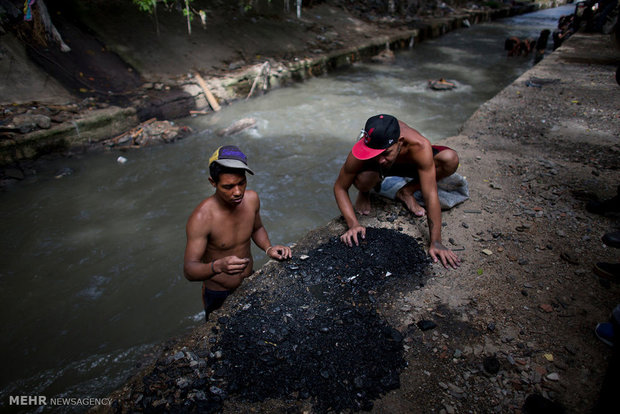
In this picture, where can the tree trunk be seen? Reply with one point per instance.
(155, 17)
(189, 15)
(50, 30)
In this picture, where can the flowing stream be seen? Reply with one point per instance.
(91, 264)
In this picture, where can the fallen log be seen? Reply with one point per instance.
(238, 126)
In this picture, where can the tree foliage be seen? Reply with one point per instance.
(149, 6)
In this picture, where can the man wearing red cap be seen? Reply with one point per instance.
(390, 148)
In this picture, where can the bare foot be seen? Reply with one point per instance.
(411, 203)
(362, 204)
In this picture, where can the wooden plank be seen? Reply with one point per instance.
(212, 101)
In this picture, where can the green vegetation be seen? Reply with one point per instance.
(150, 6)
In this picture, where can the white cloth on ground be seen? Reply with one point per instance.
(451, 190)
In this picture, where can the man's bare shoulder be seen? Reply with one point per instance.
(200, 221)
(412, 136)
(418, 148)
(352, 165)
(204, 210)
(251, 197)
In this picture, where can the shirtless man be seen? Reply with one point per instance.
(389, 147)
(513, 46)
(220, 229)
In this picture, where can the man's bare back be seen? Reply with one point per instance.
(405, 163)
(389, 147)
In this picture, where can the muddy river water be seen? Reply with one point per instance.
(91, 264)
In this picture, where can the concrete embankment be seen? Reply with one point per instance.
(88, 127)
(517, 317)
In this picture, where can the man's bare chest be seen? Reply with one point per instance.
(229, 233)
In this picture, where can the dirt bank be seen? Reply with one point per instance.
(117, 59)
(517, 317)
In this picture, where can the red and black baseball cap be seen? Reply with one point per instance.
(380, 132)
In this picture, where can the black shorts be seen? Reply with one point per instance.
(213, 299)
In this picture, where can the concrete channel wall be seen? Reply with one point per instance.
(94, 126)
(97, 125)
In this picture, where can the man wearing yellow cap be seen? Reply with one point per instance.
(220, 230)
(389, 148)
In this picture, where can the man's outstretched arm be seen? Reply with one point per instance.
(345, 180)
(436, 250)
(261, 239)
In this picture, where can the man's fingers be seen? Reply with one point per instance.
(348, 239)
(442, 258)
(283, 253)
(454, 260)
(351, 236)
(449, 260)
(236, 265)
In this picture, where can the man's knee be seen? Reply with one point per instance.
(447, 162)
(366, 180)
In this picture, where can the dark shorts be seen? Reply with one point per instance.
(213, 299)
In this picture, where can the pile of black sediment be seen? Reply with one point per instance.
(323, 338)
(317, 337)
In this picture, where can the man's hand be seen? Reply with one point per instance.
(279, 252)
(439, 251)
(230, 264)
(350, 236)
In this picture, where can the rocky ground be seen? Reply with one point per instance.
(512, 330)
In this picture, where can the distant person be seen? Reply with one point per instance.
(603, 207)
(513, 46)
(389, 148)
(609, 333)
(541, 45)
(220, 229)
(527, 45)
(519, 47)
(611, 206)
(564, 30)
